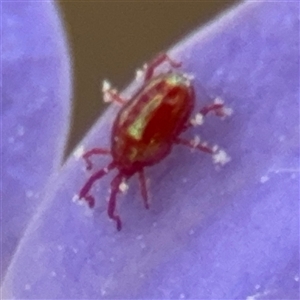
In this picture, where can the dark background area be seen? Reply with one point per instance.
(111, 39)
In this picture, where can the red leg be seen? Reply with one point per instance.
(193, 145)
(219, 156)
(217, 108)
(84, 192)
(143, 185)
(96, 151)
(113, 96)
(113, 200)
(161, 58)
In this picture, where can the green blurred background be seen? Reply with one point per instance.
(111, 39)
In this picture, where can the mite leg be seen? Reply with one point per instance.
(216, 108)
(110, 94)
(195, 144)
(157, 61)
(84, 192)
(219, 156)
(143, 186)
(96, 151)
(111, 210)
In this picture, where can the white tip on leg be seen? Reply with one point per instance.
(227, 111)
(123, 187)
(218, 100)
(76, 200)
(139, 74)
(223, 111)
(195, 141)
(221, 157)
(197, 120)
(78, 153)
(108, 91)
(189, 76)
(106, 86)
(215, 148)
(107, 98)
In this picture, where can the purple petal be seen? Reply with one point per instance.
(231, 233)
(35, 111)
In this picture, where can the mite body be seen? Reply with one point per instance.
(147, 125)
(146, 128)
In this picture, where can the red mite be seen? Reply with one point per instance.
(146, 128)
